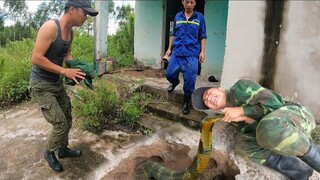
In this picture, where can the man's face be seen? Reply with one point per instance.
(79, 15)
(83, 15)
(215, 98)
(189, 5)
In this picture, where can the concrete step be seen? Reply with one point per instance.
(170, 107)
(172, 111)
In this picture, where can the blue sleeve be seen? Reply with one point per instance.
(202, 31)
(173, 33)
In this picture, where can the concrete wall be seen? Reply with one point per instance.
(215, 13)
(298, 58)
(244, 41)
(101, 23)
(148, 33)
(298, 72)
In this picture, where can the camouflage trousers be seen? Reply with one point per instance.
(56, 107)
(285, 131)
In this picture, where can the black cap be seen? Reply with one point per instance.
(197, 101)
(84, 4)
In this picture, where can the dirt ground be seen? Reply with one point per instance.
(108, 155)
(142, 72)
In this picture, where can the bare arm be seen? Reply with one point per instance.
(168, 53)
(203, 50)
(46, 35)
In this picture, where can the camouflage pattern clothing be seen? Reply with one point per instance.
(281, 126)
(56, 107)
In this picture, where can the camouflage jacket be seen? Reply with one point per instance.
(256, 100)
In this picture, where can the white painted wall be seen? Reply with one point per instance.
(298, 68)
(101, 22)
(298, 72)
(244, 41)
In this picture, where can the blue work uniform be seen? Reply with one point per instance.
(186, 49)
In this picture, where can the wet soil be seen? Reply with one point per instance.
(142, 72)
(109, 154)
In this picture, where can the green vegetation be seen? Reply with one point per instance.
(83, 47)
(121, 44)
(316, 134)
(15, 68)
(16, 44)
(111, 102)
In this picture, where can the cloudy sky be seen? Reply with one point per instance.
(33, 5)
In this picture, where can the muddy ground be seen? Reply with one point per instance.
(106, 155)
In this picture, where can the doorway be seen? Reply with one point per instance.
(172, 8)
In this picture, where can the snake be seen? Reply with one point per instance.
(150, 169)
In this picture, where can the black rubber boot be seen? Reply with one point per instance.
(186, 104)
(312, 157)
(66, 152)
(291, 167)
(52, 160)
(172, 87)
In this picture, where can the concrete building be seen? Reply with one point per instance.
(153, 22)
(276, 43)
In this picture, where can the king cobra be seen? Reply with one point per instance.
(154, 170)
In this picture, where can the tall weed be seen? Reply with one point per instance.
(15, 66)
(15, 71)
(111, 102)
(83, 47)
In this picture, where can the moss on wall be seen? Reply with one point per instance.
(272, 26)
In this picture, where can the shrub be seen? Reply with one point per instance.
(316, 134)
(83, 47)
(111, 102)
(15, 65)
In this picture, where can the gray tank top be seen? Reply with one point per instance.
(56, 53)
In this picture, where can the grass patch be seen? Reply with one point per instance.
(111, 102)
(316, 134)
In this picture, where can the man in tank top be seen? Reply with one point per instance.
(51, 49)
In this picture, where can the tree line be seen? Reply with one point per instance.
(25, 24)
(17, 40)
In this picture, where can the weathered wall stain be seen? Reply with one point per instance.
(272, 26)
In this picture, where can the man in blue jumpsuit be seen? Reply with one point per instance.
(187, 42)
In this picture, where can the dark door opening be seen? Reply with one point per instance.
(173, 7)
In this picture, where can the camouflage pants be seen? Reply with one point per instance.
(285, 131)
(56, 107)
